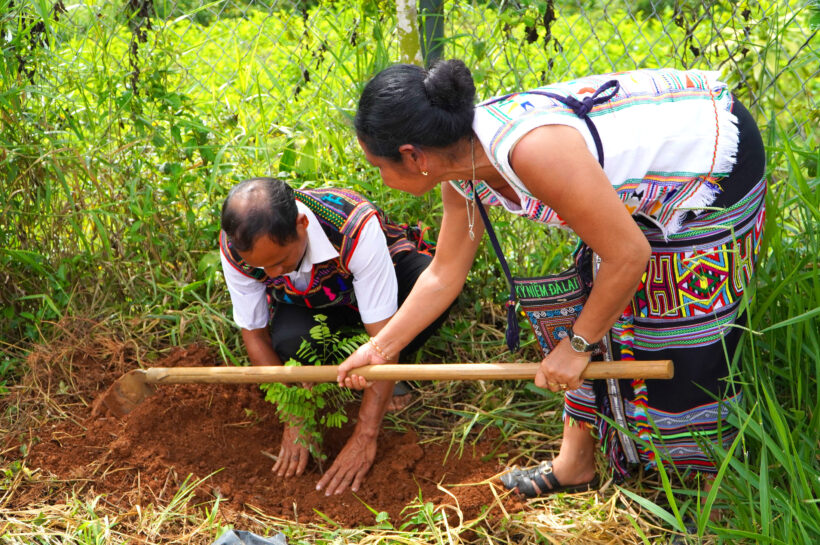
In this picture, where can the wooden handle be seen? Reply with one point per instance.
(662, 369)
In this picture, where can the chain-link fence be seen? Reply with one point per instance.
(762, 46)
(122, 122)
(240, 52)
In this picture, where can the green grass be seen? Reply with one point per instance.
(111, 194)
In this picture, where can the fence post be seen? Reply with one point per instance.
(432, 22)
(407, 29)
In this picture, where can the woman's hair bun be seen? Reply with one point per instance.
(449, 85)
(406, 104)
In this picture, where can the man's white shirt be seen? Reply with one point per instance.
(374, 278)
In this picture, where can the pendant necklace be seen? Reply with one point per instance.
(471, 202)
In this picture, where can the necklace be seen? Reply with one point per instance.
(471, 201)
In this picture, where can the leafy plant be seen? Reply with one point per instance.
(322, 405)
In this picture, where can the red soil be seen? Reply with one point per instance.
(221, 433)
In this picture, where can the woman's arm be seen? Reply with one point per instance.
(434, 291)
(555, 164)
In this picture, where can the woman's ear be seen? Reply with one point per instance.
(414, 158)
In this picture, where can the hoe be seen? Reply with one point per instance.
(132, 388)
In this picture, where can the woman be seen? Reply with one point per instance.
(659, 172)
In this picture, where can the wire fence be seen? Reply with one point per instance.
(122, 122)
(241, 52)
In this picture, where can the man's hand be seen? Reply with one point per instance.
(293, 457)
(350, 466)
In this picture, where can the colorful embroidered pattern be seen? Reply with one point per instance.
(688, 299)
(682, 435)
(693, 284)
(552, 303)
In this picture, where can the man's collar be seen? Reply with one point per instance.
(318, 247)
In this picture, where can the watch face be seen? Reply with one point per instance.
(578, 344)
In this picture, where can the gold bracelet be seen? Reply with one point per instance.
(378, 350)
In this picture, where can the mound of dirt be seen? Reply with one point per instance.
(224, 437)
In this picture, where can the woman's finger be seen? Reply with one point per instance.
(355, 382)
(358, 358)
(360, 381)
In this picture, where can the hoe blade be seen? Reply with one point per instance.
(124, 395)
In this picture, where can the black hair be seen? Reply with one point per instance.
(406, 104)
(256, 207)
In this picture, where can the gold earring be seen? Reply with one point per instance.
(424, 173)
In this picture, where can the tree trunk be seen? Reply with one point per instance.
(408, 30)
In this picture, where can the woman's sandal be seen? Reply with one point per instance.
(541, 481)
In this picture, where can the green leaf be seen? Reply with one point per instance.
(656, 510)
(307, 159)
(287, 161)
(794, 320)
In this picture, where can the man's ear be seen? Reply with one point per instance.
(302, 220)
(414, 158)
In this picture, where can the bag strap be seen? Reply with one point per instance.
(513, 335)
(581, 108)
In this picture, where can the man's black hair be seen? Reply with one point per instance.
(257, 207)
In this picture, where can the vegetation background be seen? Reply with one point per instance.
(123, 125)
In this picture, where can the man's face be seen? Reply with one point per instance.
(278, 259)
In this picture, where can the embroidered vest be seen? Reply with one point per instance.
(341, 214)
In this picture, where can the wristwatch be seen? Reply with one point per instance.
(578, 343)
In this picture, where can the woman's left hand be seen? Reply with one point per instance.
(364, 355)
(562, 368)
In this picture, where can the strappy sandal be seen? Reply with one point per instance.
(541, 481)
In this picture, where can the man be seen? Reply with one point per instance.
(288, 255)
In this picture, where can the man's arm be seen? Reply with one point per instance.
(260, 347)
(356, 457)
(293, 455)
(250, 312)
(376, 288)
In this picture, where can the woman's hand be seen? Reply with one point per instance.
(434, 291)
(562, 368)
(366, 354)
